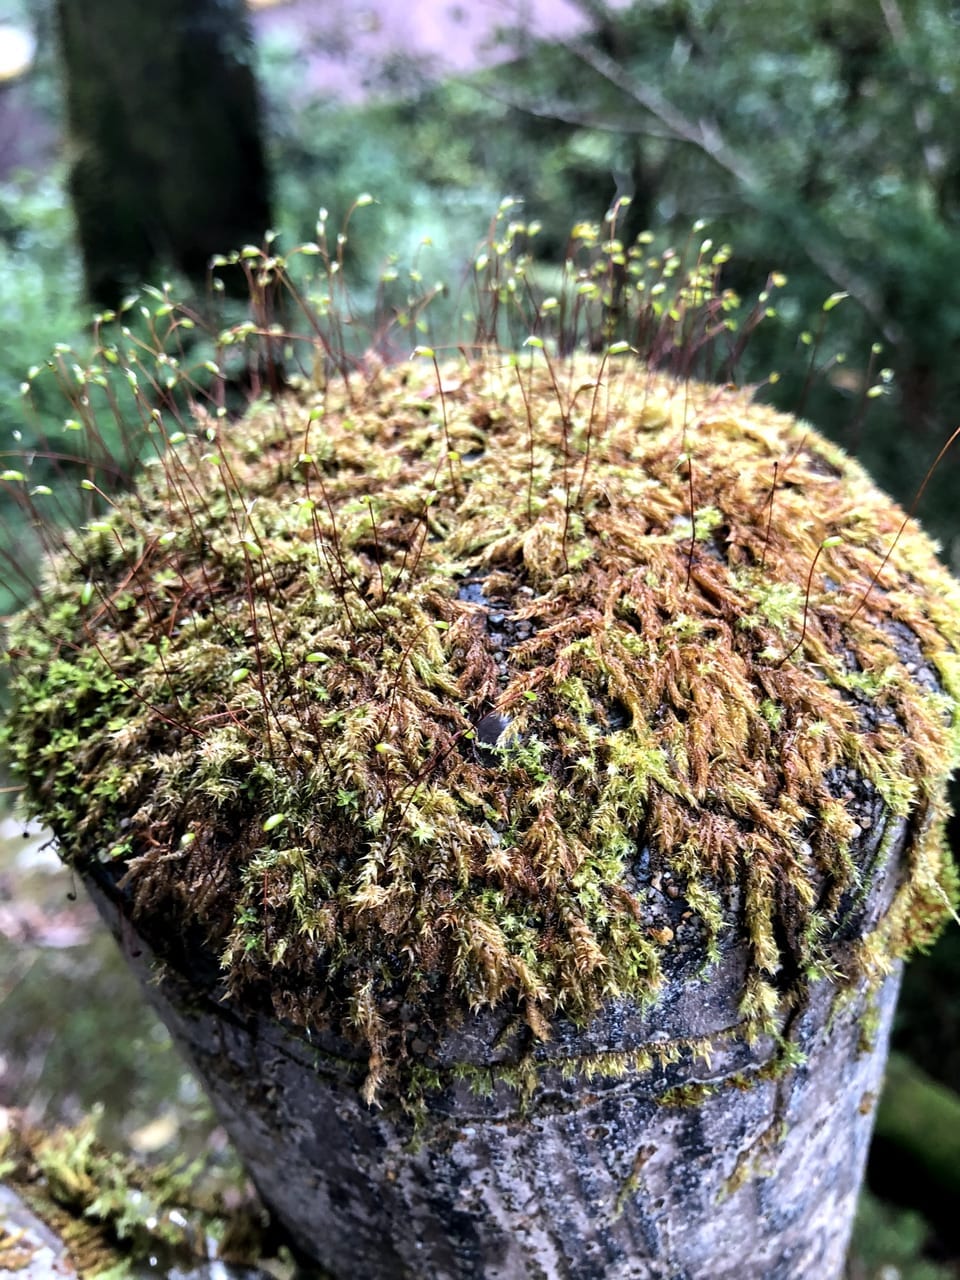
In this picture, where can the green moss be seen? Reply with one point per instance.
(117, 1217)
(869, 1027)
(404, 697)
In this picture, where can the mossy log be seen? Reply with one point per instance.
(528, 778)
(654, 1146)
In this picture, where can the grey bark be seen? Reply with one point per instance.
(596, 1178)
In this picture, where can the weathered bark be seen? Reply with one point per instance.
(715, 1166)
(167, 162)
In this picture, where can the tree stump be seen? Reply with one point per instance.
(520, 784)
(713, 1165)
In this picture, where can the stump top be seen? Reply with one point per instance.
(510, 681)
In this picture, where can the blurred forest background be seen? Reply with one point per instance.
(818, 137)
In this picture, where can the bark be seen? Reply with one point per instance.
(167, 160)
(724, 1168)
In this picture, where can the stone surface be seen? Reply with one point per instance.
(28, 1248)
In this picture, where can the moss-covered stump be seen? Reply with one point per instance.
(528, 777)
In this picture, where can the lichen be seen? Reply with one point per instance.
(404, 693)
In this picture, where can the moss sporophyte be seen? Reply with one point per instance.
(402, 694)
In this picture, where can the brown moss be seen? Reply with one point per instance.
(405, 696)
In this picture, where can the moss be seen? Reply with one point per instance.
(115, 1216)
(405, 694)
(869, 1028)
(756, 1161)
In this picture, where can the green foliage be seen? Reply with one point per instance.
(888, 1244)
(922, 1119)
(39, 278)
(40, 305)
(117, 1218)
(433, 201)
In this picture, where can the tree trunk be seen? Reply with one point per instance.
(632, 1157)
(167, 160)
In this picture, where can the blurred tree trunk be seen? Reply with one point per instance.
(167, 164)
